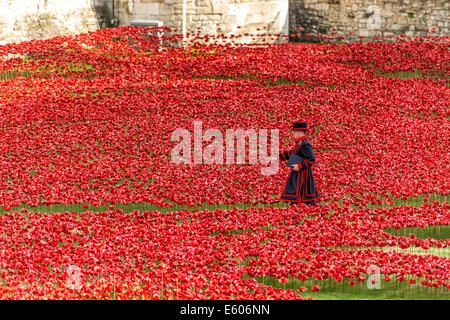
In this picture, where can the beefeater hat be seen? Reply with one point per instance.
(300, 125)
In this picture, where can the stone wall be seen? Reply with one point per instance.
(22, 20)
(236, 17)
(367, 18)
(351, 18)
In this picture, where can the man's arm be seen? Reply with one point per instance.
(284, 156)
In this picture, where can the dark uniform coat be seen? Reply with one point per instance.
(300, 185)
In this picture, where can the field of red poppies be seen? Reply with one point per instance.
(92, 207)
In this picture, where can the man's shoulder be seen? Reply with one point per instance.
(304, 142)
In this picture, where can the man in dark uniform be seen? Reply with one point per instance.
(300, 184)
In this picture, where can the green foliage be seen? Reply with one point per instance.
(342, 290)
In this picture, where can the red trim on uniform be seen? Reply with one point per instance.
(300, 200)
(303, 183)
(306, 189)
(297, 147)
(298, 189)
(307, 161)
